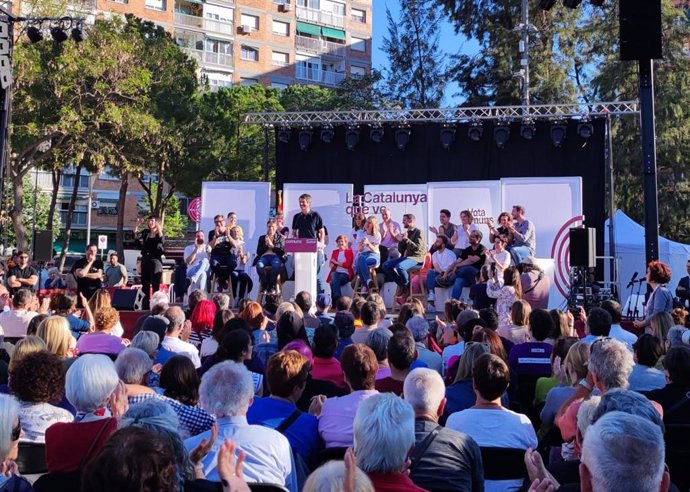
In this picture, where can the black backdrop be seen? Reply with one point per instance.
(424, 160)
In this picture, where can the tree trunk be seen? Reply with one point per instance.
(70, 211)
(121, 202)
(16, 214)
(55, 178)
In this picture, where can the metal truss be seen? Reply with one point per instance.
(550, 112)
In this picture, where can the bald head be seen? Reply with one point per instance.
(175, 315)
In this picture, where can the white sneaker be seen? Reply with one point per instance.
(431, 297)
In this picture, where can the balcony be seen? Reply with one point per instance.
(318, 76)
(320, 17)
(317, 45)
(210, 57)
(205, 24)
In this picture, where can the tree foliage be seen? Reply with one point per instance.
(416, 74)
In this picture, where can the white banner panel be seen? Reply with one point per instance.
(554, 205)
(330, 200)
(399, 199)
(249, 200)
(482, 198)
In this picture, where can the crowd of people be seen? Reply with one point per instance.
(323, 394)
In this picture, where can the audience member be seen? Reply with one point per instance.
(15, 323)
(563, 325)
(323, 305)
(201, 321)
(518, 331)
(11, 429)
(506, 292)
(325, 365)
(460, 394)
(647, 350)
(177, 334)
(65, 305)
(345, 324)
(102, 340)
(673, 397)
(443, 459)
(179, 380)
(478, 295)
(660, 324)
(377, 341)
(100, 300)
(236, 346)
(370, 315)
(303, 300)
(558, 375)
(465, 320)
(335, 475)
(575, 370)
(210, 345)
(598, 324)
(54, 331)
(401, 355)
(147, 341)
(33, 325)
(383, 439)
(535, 283)
(419, 327)
(533, 357)
(616, 331)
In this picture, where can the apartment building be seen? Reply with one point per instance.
(270, 42)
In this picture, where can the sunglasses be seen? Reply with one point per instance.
(16, 431)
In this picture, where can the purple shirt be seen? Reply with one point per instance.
(531, 358)
(100, 343)
(338, 416)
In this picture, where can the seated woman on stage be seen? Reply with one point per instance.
(270, 252)
(340, 263)
(241, 282)
(368, 241)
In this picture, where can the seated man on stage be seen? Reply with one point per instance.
(22, 275)
(196, 259)
(389, 230)
(221, 243)
(524, 236)
(270, 252)
(447, 228)
(412, 248)
(683, 289)
(464, 271)
(441, 260)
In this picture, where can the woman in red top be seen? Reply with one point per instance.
(91, 385)
(341, 262)
(202, 321)
(324, 365)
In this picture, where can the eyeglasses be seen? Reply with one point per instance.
(16, 431)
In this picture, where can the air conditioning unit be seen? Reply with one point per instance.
(286, 7)
(246, 29)
(95, 204)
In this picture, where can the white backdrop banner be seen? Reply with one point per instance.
(482, 198)
(249, 200)
(399, 199)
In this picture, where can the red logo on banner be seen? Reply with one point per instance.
(194, 210)
(560, 252)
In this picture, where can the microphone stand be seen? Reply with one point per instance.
(630, 312)
(639, 288)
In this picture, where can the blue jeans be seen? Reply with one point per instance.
(222, 265)
(397, 269)
(519, 253)
(276, 265)
(198, 274)
(464, 277)
(241, 283)
(365, 260)
(338, 279)
(431, 280)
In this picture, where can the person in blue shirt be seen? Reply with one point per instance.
(286, 375)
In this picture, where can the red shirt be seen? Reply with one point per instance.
(67, 444)
(390, 385)
(328, 370)
(393, 482)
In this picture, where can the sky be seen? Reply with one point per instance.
(450, 43)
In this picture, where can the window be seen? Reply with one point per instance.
(339, 9)
(67, 180)
(359, 16)
(215, 46)
(250, 21)
(248, 81)
(78, 217)
(359, 44)
(281, 28)
(280, 59)
(155, 4)
(312, 4)
(357, 72)
(248, 53)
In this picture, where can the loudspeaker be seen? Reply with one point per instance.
(640, 29)
(583, 247)
(128, 299)
(43, 245)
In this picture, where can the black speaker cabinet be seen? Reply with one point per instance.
(640, 29)
(128, 299)
(583, 247)
(43, 245)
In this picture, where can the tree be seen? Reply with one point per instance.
(416, 74)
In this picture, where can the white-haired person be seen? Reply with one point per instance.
(334, 476)
(383, 439)
(93, 388)
(452, 460)
(10, 430)
(488, 422)
(227, 392)
(133, 367)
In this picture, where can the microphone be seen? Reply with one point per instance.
(632, 280)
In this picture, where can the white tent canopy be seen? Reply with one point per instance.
(630, 253)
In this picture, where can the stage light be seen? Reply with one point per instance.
(402, 137)
(528, 130)
(79, 34)
(58, 34)
(557, 132)
(447, 136)
(376, 134)
(475, 131)
(546, 4)
(34, 34)
(572, 4)
(352, 137)
(284, 135)
(304, 138)
(585, 129)
(327, 134)
(501, 135)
